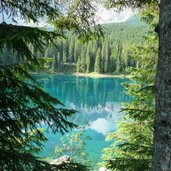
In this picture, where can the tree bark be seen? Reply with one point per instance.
(162, 128)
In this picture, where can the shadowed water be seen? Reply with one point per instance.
(98, 102)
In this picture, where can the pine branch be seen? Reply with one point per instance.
(10, 159)
(17, 39)
(129, 164)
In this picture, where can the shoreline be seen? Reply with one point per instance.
(97, 75)
(90, 75)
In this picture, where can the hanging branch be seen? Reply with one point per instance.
(2, 12)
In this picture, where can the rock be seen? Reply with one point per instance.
(104, 169)
(63, 159)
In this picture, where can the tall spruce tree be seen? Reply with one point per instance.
(88, 61)
(162, 129)
(132, 147)
(107, 59)
(78, 65)
(24, 106)
(71, 52)
(97, 64)
(55, 62)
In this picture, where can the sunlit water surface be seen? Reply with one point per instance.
(98, 101)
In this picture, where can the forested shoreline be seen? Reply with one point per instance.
(108, 55)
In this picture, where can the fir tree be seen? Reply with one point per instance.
(71, 52)
(78, 65)
(107, 59)
(88, 61)
(23, 104)
(97, 65)
(83, 60)
(132, 148)
(103, 57)
(55, 62)
(118, 59)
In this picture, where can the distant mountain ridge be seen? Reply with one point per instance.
(134, 20)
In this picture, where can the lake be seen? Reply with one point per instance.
(98, 102)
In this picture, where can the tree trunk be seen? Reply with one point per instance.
(162, 128)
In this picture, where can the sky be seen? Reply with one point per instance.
(111, 16)
(103, 16)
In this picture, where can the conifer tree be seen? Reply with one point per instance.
(64, 57)
(78, 65)
(76, 49)
(118, 58)
(23, 104)
(55, 62)
(71, 52)
(103, 57)
(107, 59)
(88, 61)
(162, 129)
(83, 60)
(97, 65)
(132, 148)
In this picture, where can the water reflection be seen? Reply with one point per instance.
(83, 90)
(103, 126)
(88, 114)
(97, 101)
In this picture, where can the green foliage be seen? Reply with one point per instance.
(80, 18)
(88, 60)
(16, 39)
(24, 106)
(114, 48)
(120, 4)
(55, 62)
(97, 65)
(132, 143)
(73, 145)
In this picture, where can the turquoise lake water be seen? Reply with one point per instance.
(98, 101)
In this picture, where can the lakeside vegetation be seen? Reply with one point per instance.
(108, 55)
(91, 75)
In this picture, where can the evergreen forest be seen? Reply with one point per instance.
(108, 54)
(104, 55)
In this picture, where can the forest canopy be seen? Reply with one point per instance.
(103, 55)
